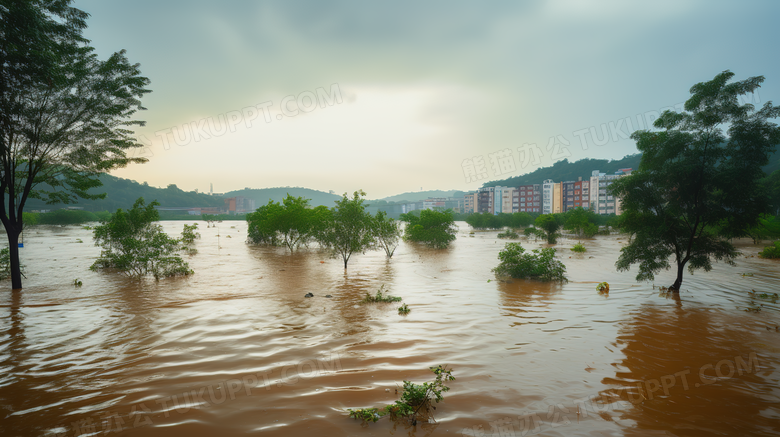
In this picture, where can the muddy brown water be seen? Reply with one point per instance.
(236, 349)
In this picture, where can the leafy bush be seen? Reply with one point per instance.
(508, 234)
(540, 265)
(132, 244)
(416, 400)
(404, 309)
(771, 252)
(434, 228)
(579, 248)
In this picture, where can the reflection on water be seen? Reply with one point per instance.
(238, 349)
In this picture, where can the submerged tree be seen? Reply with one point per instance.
(386, 233)
(434, 228)
(348, 227)
(136, 246)
(550, 225)
(292, 223)
(697, 187)
(64, 114)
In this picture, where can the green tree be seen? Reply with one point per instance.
(64, 114)
(550, 225)
(133, 244)
(581, 221)
(434, 228)
(292, 223)
(348, 227)
(696, 186)
(386, 232)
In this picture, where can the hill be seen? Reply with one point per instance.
(261, 196)
(121, 193)
(570, 171)
(420, 195)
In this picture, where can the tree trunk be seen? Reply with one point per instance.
(678, 282)
(13, 247)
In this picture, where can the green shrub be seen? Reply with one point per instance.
(509, 234)
(771, 252)
(133, 244)
(540, 265)
(434, 228)
(416, 400)
(189, 234)
(579, 248)
(380, 297)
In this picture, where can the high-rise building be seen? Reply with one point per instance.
(485, 200)
(582, 194)
(557, 198)
(604, 202)
(547, 196)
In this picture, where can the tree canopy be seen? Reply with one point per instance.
(697, 186)
(65, 115)
(434, 228)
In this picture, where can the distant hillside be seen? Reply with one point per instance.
(569, 171)
(421, 195)
(121, 193)
(263, 195)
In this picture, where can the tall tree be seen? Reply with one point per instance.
(65, 115)
(348, 228)
(292, 223)
(697, 186)
(386, 233)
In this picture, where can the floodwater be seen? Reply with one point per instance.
(237, 349)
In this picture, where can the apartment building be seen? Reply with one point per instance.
(485, 198)
(547, 196)
(581, 194)
(527, 198)
(602, 201)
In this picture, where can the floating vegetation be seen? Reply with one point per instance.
(403, 309)
(603, 287)
(747, 274)
(380, 297)
(764, 296)
(416, 401)
(77, 283)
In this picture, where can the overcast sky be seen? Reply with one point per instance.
(396, 96)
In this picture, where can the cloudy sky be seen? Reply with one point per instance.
(397, 96)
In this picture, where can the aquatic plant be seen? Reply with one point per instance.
(540, 265)
(416, 400)
(579, 248)
(380, 297)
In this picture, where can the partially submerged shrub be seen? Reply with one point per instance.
(380, 297)
(771, 252)
(579, 248)
(540, 265)
(509, 234)
(416, 400)
(403, 309)
(189, 234)
(603, 287)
